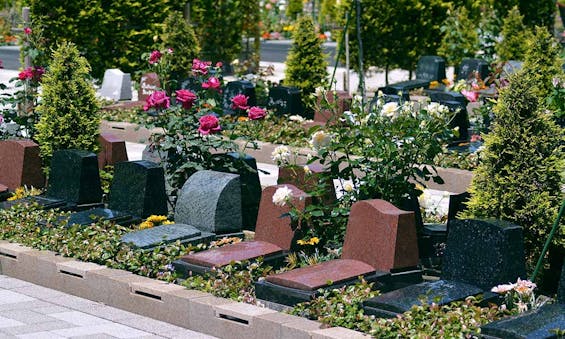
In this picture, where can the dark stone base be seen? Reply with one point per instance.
(5, 195)
(239, 235)
(536, 324)
(86, 217)
(185, 269)
(430, 241)
(270, 292)
(49, 203)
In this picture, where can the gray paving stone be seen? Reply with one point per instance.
(39, 335)
(29, 305)
(94, 336)
(10, 283)
(13, 297)
(7, 322)
(191, 335)
(29, 317)
(79, 318)
(113, 329)
(39, 292)
(48, 309)
(73, 302)
(110, 313)
(48, 326)
(151, 325)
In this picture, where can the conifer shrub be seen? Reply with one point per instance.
(68, 109)
(306, 63)
(180, 37)
(460, 37)
(520, 176)
(514, 33)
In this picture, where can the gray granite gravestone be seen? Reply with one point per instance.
(479, 254)
(234, 88)
(137, 191)
(116, 85)
(533, 324)
(74, 182)
(211, 202)
(285, 100)
(152, 237)
(246, 167)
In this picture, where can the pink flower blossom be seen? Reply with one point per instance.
(26, 74)
(27, 31)
(239, 102)
(157, 99)
(212, 83)
(209, 124)
(155, 57)
(186, 97)
(476, 137)
(472, 96)
(219, 64)
(1, 119)
(170, 50)
(256, 113)
(200, 67)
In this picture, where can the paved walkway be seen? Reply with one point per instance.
(32, 312)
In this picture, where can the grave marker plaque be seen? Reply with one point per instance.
(116, 85)
(285, 100)
(148, 84)
(20, 164)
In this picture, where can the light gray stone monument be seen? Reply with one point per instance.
(116, 85)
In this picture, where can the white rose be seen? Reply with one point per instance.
(390, 109)
(320, 139)
(281, 155)
(282, 196)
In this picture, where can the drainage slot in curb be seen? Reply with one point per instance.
(148, 295)
(120, 128)
(7, 255)
(237, 320)
(71, 274)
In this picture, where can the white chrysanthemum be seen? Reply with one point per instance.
(296, 118)
(437, 109)
(390, 109)
(281, 155)
(320, 139)
(282, 196)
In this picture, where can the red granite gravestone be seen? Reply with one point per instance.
(274, 236)
(113, 150)
(297, 176)
(379, 238)
(20, 164)
(343, 101)
(148, 84)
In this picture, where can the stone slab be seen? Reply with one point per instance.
(165, 234)
(20, 164)
(533, 324)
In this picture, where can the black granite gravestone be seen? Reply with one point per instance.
(285, 100)
(479, 254)
(470, 67)
(430, 68)
(246, 167)
(457, 104)
(234, 88)
(533, 324)
(137, 191)
(161, 235)
(74, 182)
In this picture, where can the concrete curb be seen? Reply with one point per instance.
(159, 300)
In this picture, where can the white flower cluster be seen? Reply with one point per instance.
(437, 109)
(282, 196)
(281, 155)
(320, 139)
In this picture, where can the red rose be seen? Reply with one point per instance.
(239, 102)
(27, 31)
(200, 67)
(209, 124)
(158, 99)
(256, 113)
(212, 83)
(219, 64)
(155, 57)
(186, 97)
(26, 74)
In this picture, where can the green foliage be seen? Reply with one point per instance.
(514, 33)
(294, 9)
(218, 27)
(277, 130)
(542, 62)
(251, 30)
(519, 178)
(460, 38)
(69, 109)
(538, 13)
(109, 34)
(306, 63)
(179, 36)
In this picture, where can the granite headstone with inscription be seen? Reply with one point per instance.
(234, 88)
(285, 100)
(148, 84)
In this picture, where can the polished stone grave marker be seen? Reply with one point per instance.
(285, 100)
(116, 85)
(113, 150)
(20, 164)
(380, 245)
(430, 68)
(234, 88)
(341, 99)
(74, 182)
(471, 67)
(479, 255)
(274, 237)
(148, 84)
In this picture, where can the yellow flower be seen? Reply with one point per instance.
(301, 242)
(156, 218)
(434, 84)
(314, 240)
(241, 119)
(145, 225)
(167, 222)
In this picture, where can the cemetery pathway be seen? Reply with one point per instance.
(32, 311)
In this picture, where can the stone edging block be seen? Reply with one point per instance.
(194, 310)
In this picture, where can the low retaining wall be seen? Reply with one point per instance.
(194, 310)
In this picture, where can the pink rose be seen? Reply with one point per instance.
(219, 64)
(157, 99)
(200, 67)
(186, 97)
(256, 113)
(209, 124)
(27, 31)
(476, 137)
(170, 50)
(239, 102)
(155, 57)
(26, 74)
(472, 96)
(212, 83)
